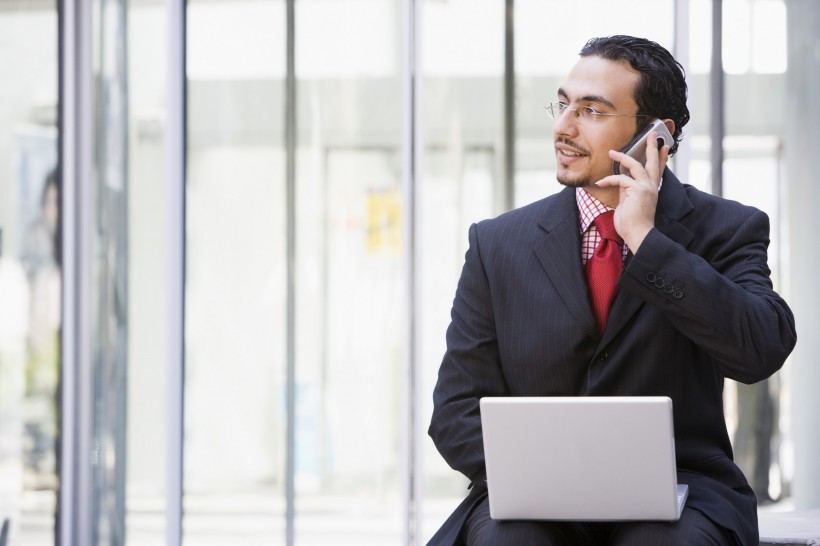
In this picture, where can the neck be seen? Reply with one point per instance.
(608, 196)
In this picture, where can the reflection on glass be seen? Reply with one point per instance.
(30, 282)
(109, 328)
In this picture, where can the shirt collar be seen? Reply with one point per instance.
(588, 208)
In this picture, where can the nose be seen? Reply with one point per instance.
(566, 123)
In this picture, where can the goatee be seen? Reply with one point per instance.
(573, 182)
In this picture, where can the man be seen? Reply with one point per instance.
(693, 304)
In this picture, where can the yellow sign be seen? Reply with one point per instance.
(384, 221)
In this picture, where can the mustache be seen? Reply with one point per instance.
(571, 143)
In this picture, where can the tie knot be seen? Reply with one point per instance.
(605, 224)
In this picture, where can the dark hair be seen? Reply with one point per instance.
(661, 90)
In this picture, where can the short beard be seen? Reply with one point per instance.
(573, 182)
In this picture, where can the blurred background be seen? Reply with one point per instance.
(232, 230)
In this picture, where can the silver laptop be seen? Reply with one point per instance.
(581, 458)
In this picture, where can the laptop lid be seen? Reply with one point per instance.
(581, 458)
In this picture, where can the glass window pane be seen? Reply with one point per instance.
(700, 37)
(235, 274)
(148, 273)
(700, 103)
(350, 310)
(769, 53)
(737, 36)
(30, 284)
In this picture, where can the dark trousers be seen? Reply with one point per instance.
(692, 529)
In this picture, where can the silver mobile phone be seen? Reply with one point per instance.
(637, 146)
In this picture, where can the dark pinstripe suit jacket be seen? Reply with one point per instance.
(695, 305)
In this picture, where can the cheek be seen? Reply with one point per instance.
(623, 137)
(600, 162)
(603, 146)
(615, 143)
(600, 151)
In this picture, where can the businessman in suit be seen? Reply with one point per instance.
(693, 304)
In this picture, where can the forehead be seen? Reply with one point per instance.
(595, 77)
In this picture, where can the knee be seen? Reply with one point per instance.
(514, 533)
(691, 533)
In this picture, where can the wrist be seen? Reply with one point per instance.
(635, 237)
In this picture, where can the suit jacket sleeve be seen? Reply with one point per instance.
(720, 297)
(469, 370)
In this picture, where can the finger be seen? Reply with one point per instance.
(620, 180)
(652, 153)
(663, 157)
(629, 165)
(655, 159)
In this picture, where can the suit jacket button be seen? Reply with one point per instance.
(677, 294)
(603, 356)
(650, 278)
(660, 283)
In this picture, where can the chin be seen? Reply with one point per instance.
(573, 182)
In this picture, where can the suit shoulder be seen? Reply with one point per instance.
(704, 200)
(522, 219)
(716, 224)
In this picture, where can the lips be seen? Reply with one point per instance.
(567, 150)
(568, 153)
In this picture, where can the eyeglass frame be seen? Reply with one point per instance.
(590, 111)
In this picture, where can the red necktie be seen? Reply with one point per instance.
(604, 267)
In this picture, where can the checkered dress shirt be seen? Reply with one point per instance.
(589, 208)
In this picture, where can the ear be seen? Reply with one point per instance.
(670, 125)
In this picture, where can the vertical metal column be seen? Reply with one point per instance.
(716, 87)
(290, 198)
(76, 168)
(410, 17)
(681, 51)
(176, 165)
(509, 105)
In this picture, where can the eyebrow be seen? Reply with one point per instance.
(588, 98)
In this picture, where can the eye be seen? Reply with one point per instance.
(590, 112)
(562, 106)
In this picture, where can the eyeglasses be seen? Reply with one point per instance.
(584, 114)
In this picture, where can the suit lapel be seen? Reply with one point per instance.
(559, 253)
